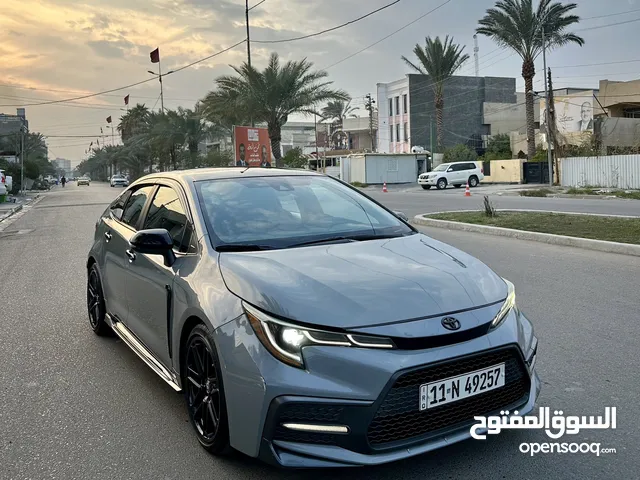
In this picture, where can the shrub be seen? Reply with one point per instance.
(489, 209)
(460, 153)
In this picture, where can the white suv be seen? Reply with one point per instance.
(456, 174)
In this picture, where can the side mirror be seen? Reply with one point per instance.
(401, 216)
(154, 241)
(450, 169)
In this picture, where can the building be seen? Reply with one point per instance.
(378, 168)
(359, 132)
(617, 115)
(474, 109)
(11, 123)
(63, 166)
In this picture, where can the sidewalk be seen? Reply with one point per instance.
(9, 208)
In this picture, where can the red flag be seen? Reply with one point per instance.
(155, 56)
(126, 100)
(109, 119)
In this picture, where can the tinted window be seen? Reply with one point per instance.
(117, 207)
(471, 166)
(166, 212)
(281, 211)
(135, 205)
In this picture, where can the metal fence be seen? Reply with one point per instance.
(612, 171)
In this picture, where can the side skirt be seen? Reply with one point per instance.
(143, 352)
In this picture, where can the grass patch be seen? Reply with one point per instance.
(581, 191)
(632, 194)
(624, 230)
(538, 192)
(635, 195)
(359, 185)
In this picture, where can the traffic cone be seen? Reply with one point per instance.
(467, 193)
(384, 187)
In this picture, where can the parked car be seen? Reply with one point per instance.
(4, 188)
(456, 174)
(83, 181)
(305, 323)
(119, 180)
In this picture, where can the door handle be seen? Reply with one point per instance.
(131, 255)
(108, 236)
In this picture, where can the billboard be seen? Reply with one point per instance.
(252, 146)
(574, 113)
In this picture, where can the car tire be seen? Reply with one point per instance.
(96, 306)
(426, 187)
(204, 391)
(473, 181)
(457, 185)
(442, 183)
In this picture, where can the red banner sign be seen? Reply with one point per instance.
(252, 146)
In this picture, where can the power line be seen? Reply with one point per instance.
(607, 25)
(175, 70)
(329, 29)
(257, 5)
(596, 64)
(610, 15)
(390, 35)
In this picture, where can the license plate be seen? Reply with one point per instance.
(463, 386)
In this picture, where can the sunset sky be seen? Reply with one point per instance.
(59, 49)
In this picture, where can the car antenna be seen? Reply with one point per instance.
(248, 167)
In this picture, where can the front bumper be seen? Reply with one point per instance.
(427, 181)
(374, 393)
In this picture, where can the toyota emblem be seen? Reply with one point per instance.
(451, 323)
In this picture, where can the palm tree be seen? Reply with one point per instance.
(338, 110)
(514, 24)
(133, 122)
(271, 95)
(439, 61)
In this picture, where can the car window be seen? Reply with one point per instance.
(280, 211)
(472, 166)
(442, 167)
(135, 205)
(167, 212)
(117, 207)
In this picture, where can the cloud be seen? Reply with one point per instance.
(110, 49)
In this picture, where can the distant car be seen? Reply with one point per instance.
(83, 181)
(119, 181)
(456, 174)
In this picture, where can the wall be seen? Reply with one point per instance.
(378, 169)
(614, 171)
(505, 171)
(618, 132)
(506, 117)
(464, 99)
(357, 169)
(386, 91)
(612, 93)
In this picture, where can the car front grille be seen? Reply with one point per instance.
(398, 417)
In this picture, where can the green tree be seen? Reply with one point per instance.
(134, 122)
(516, 25)
(439, 61)
(294, 158)
(338, 110)
(498, 148)
(272, 95)
(460, 153)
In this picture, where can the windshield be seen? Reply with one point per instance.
(441, 168)
(278, 212)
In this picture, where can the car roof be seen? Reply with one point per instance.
(202, 174)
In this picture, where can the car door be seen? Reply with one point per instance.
(150, 282)
(119, 227)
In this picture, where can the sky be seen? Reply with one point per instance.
(60, 49)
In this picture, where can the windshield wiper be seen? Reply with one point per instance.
(350, 238)
(243, 247)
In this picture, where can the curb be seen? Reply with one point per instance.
(515, 193)
(18, 208)
(549, 238)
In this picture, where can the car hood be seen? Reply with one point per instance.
(362, 284)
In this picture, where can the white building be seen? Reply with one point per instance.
(393, 116)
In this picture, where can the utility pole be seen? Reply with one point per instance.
(551, 108)
(22, 129)
(431, 138)
(369, 106)
(246, 13)
(475, 55)
(546, 95)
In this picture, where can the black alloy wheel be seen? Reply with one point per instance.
(204, 392)
(96, 305)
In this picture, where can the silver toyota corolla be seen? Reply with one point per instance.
(306, 324)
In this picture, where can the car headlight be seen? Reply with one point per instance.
(507, 306)
(285, 341)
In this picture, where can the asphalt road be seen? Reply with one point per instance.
(414, 200)
(73, 405)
